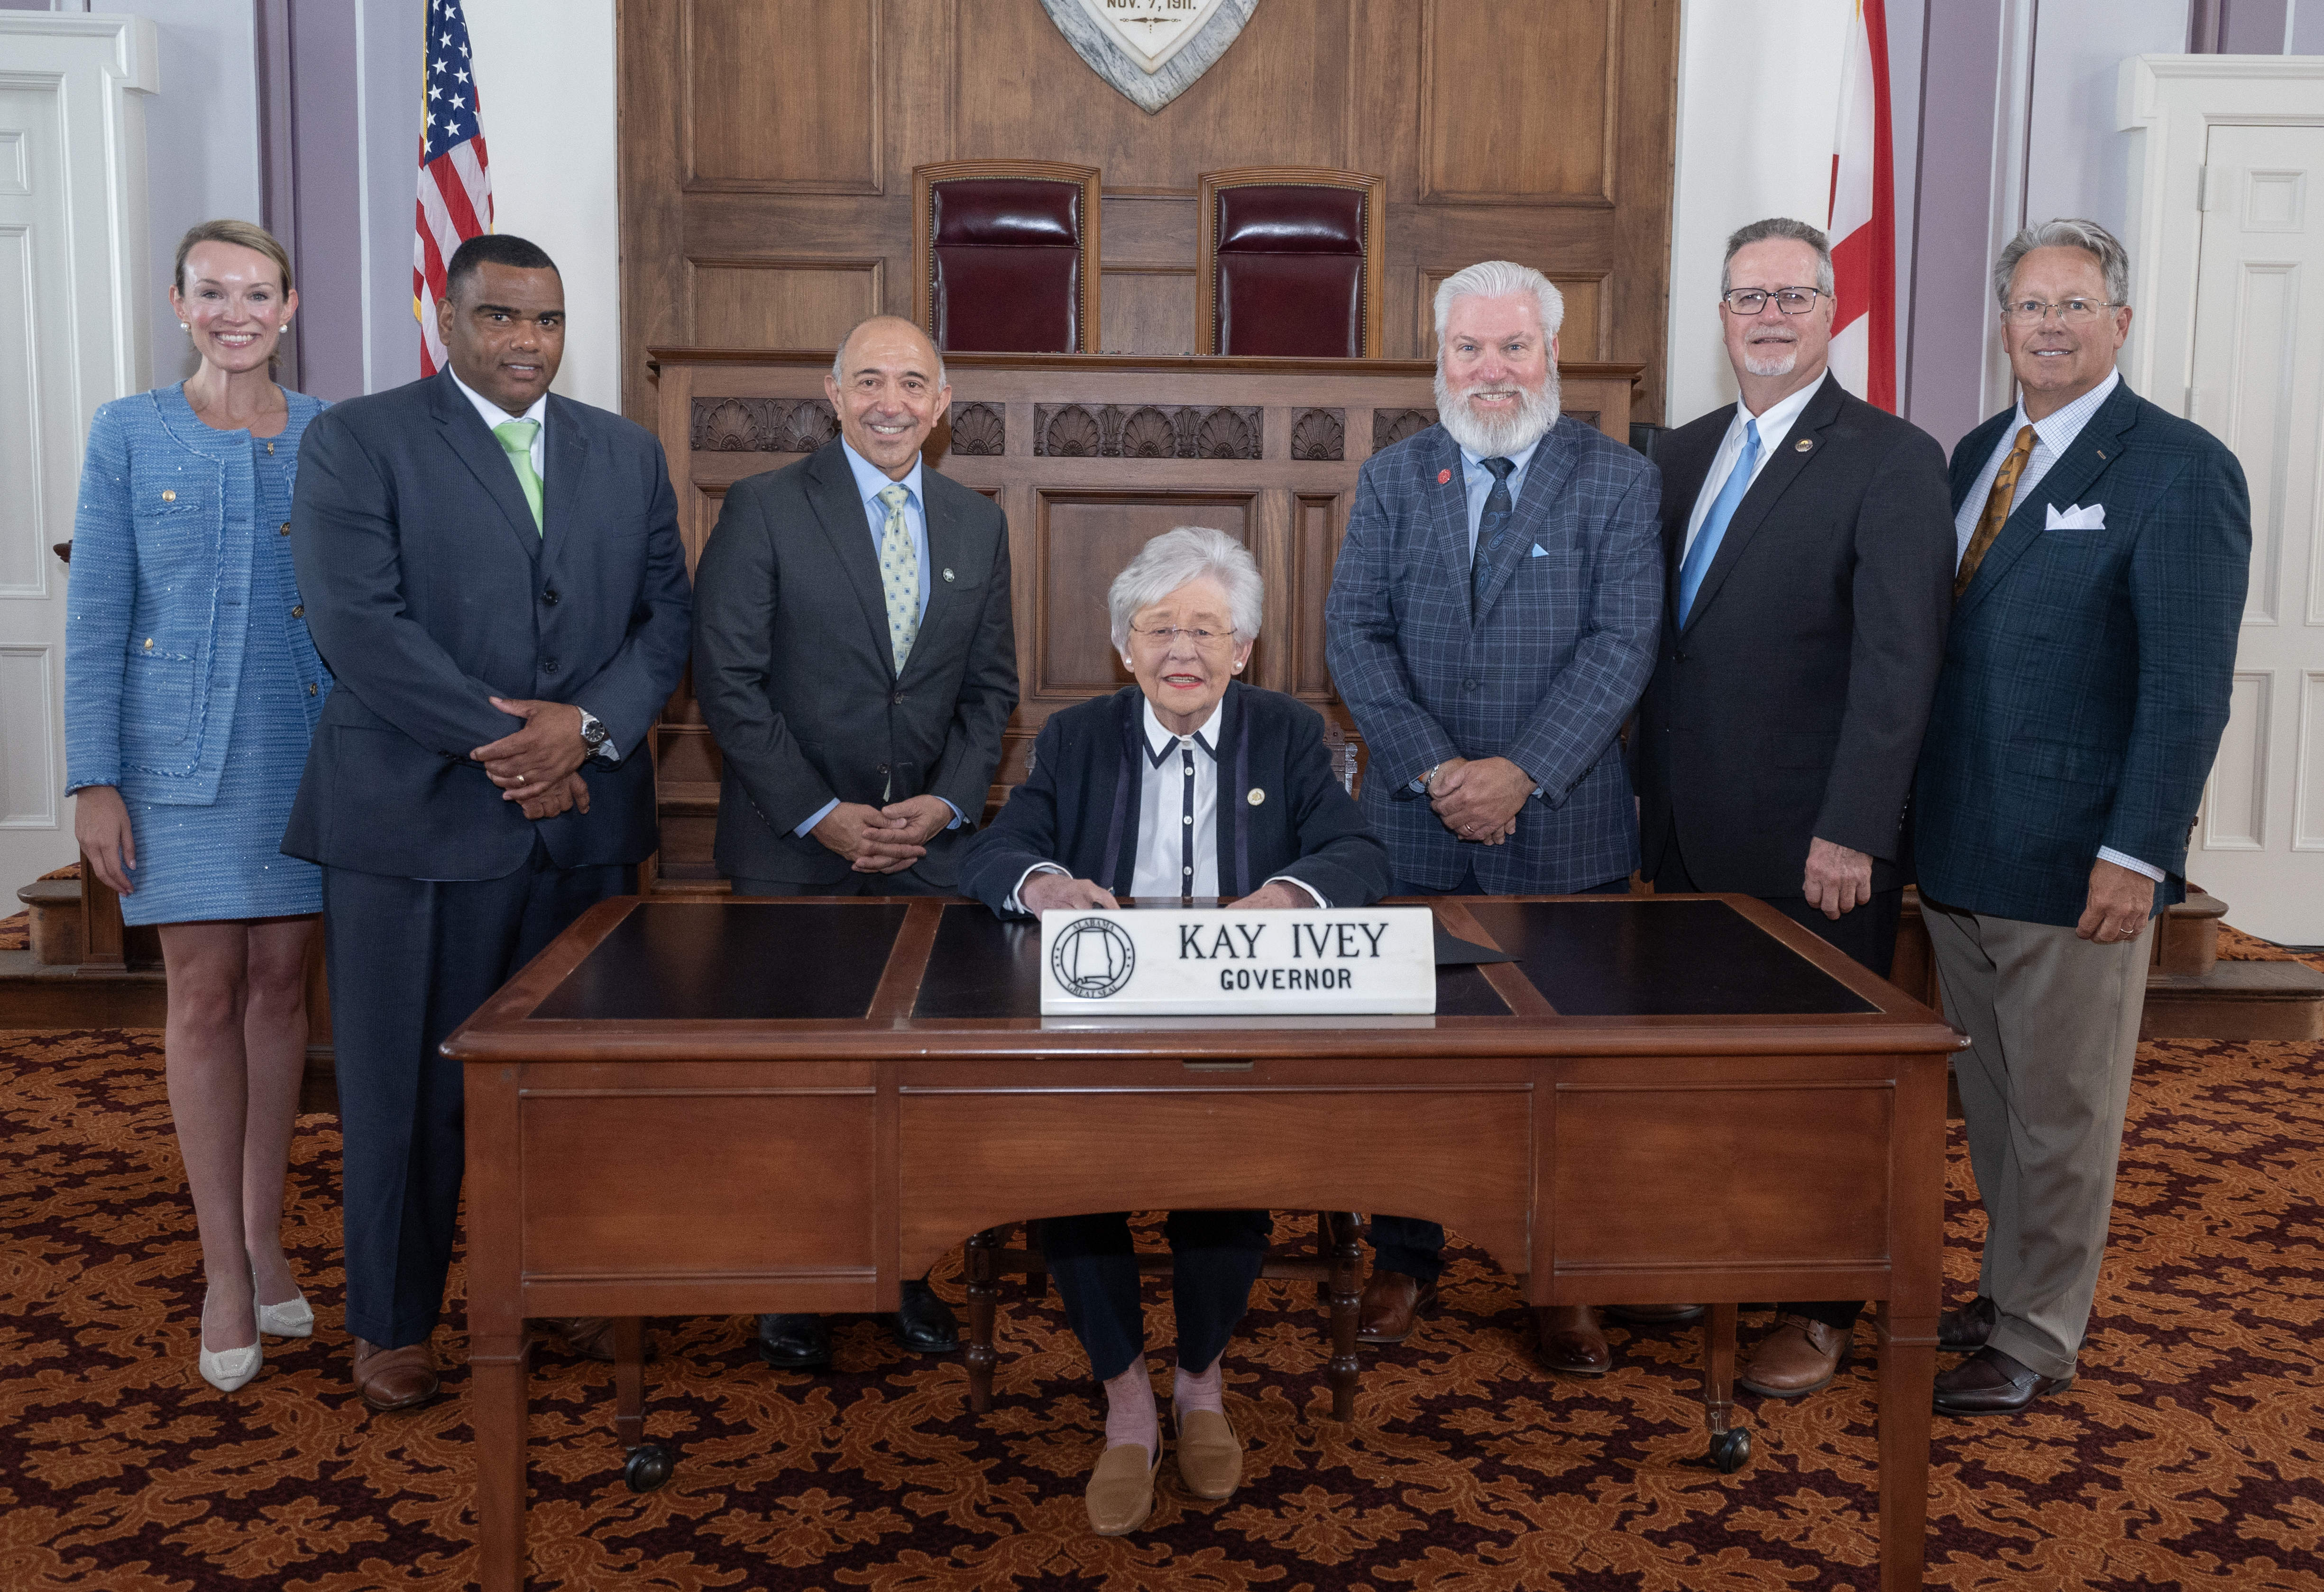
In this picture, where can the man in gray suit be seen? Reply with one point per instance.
(1491, 625)
(854, 656)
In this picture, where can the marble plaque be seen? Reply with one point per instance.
(1150, 51)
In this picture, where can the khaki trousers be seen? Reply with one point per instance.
(2052, 1022)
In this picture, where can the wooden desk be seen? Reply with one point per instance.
(1665, 1098)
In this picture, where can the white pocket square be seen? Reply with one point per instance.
(2080, 516)
(1539, 551)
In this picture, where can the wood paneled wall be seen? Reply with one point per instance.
(768, 145)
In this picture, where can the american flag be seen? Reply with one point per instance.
(456, 183)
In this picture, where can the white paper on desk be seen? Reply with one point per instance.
(2080, 516)
(1211, 961)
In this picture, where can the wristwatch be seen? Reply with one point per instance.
(593, 733)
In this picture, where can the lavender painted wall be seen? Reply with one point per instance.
(1952, 201)
(326, 197)
(2307, 27)
(2250, 27)
(386, 88)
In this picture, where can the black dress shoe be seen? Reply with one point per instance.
(793, 1342)
(1990, 1383)
(924, 1323)
(1965, 1330)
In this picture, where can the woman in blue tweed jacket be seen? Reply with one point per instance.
(191, 691)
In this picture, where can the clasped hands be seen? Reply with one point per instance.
(1055, 892)
(537, 767)
(1479, 799)
(884, 840)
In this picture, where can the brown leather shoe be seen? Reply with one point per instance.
(1965, 1330)
(1653, 1315)
(1567, 1340)
(1798, 1356)
(1392, 1303)
(1120, 1492)
(395, 1378)
(589, 1337)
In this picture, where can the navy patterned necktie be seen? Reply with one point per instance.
(1499, 506)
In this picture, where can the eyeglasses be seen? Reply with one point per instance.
(1790, 300)
(1167, 634)
(2072, 312)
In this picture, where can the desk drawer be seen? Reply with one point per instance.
(644, 1182)
(1710, 1176)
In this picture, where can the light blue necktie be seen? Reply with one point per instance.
(1714, 524)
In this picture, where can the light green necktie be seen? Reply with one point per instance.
(516, 441)
(899, 576)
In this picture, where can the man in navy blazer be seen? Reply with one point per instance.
(2104, 549)
(1491, 625)
(494, 576)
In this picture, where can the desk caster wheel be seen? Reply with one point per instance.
(1731, 1449)
(649, 1466)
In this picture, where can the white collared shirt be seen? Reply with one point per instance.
(1774, 425)
(2053, 433)
(1177, 816)
(492, 415)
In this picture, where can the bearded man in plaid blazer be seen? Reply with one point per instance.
(1492, 624)
(2104, 549)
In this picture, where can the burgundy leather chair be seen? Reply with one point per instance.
(1004, 256)
(1289, 261)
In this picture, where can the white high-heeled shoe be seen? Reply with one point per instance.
(230, 1368)
(293, 1317)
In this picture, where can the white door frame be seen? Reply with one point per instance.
(87, 340)
(2169, 104)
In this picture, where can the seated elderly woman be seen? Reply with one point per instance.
(1187, 786)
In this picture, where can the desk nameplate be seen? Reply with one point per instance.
(1213, 962)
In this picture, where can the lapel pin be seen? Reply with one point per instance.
(948, 575)
(2101, 453)
(1255, 796)
(1443, 476)
(1803, 445)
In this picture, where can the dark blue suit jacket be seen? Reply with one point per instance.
(1078, 806)
(428, 589)
(1573, 599)
(2087, 672)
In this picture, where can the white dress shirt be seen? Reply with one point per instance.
(2053, 433)
(1177, 816)
(1774, 425)
(493, 415)
(871, 481)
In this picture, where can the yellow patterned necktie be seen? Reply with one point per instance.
(516, 441)
(1998, 504)
(899, 576)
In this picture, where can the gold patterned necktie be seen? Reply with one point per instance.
(1998, 504)
(899, 576)
(516, 441)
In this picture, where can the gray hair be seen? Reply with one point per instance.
(1778, 227)
(1497, 279)
(839, 371)
(2067, 233)
(1170, 560)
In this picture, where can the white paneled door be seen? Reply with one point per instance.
(73, 285)
(2258, 383)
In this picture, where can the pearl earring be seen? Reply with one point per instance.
(184, 328)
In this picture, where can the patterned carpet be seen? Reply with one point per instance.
(2189, 1454)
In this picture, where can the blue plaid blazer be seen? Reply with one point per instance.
(2087, 672)
(1545, 676)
